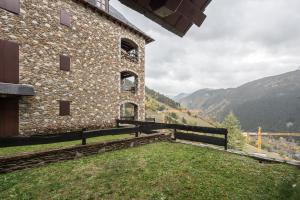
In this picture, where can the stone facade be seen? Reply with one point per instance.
(93, 82)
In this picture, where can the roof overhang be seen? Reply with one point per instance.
(176, 16)
(16, 89)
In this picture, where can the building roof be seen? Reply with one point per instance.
(176, 16)
(116, 16)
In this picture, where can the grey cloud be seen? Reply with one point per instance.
(240, 41)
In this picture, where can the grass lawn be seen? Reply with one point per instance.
(8, 151)
(155, 171)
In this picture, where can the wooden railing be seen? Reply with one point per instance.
(150, 126)
(64, 137)
(129, 118)
(133, 57)
(140, 127)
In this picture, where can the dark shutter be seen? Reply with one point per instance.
(65, 18)
(9, 117)
(9, 62)
(64, 108)
(65, 63)
(11, 5)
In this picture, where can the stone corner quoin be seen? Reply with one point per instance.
(74, 65)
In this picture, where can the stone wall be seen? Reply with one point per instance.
(10, 164)
(92, 85)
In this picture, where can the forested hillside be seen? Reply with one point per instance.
(162, 98)
(271, 102)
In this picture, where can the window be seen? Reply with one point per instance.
(129, 50)
(129, 82)
(9, 62)
(65, 62)
(129, 111)
(11, 5)
(101, 4)
(64, 108)
(65, 18)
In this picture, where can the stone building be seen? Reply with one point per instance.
(67, 65)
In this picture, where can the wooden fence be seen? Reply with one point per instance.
(139, 127)
(150, 126)
(64, 137)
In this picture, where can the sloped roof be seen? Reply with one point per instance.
(176, 16)
(115, 15)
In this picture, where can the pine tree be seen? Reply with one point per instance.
(235, 138)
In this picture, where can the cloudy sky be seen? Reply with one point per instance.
(240, 41)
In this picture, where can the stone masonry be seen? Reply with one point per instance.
(93, 82)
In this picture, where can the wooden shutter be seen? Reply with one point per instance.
(65, 62)
(64, 108)
(9, 117)
(11, 5)
(65, 18)
(9, 62)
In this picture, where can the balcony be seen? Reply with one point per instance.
(129, 82)
(11, 89)
(129, 50)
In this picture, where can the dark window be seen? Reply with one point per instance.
(129, 82)
(9, 62)
(129, 50)
(65, 18)
(11, 5)
(64, 108)
(65, 63)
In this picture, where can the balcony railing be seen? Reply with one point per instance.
(130, 56)
(129, 89)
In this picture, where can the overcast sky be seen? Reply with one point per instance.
(240, 41)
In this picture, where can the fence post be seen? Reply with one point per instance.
(118, 124)
(226, 140)
(83, 136)
(174, 133)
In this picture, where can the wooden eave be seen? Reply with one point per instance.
(176, 16)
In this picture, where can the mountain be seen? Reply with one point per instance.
(271, 102)
(180, 96)
(161, 98)
(161, 108)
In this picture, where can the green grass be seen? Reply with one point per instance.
(156, 171)
(8, 151)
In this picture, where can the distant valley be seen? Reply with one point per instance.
(271, 102)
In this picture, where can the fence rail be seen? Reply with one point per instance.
(150, 126)
(65, 137)
(139, 127)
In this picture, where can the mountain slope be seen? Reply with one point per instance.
(161, 98)
(159, 106)
(271, 102)
(180, 96)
